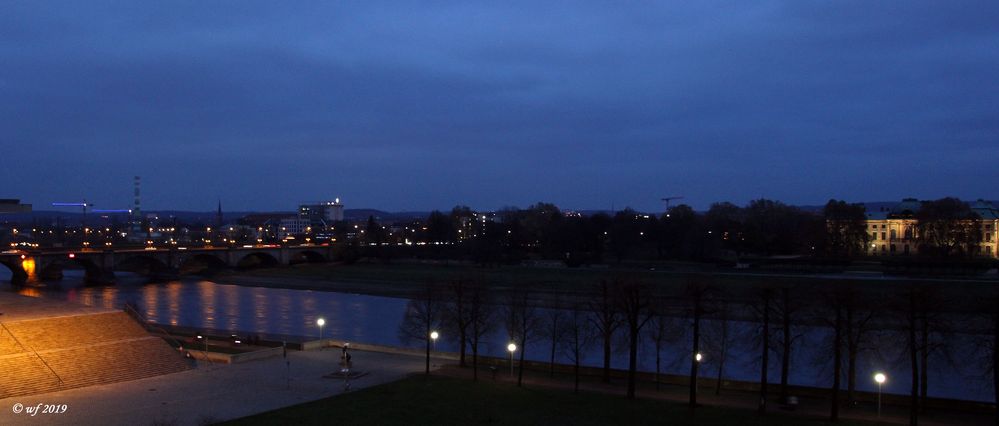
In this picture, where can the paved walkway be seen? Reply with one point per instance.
(211, 393)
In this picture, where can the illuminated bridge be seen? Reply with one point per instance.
(159, 263)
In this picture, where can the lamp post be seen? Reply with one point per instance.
(880, 378)
(512, 347)
(320, 322)
(432, 338)
(697, 358)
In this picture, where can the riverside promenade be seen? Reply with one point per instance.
(211, 393)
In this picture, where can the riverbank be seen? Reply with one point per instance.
(557, 286)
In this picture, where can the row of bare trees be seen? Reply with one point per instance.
(915, 324)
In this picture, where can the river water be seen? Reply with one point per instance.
(197, 303)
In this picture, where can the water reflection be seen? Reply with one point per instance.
(371, 319)
(205, 304)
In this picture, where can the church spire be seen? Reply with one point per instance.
(218, 215)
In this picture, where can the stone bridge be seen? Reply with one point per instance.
(161, 263)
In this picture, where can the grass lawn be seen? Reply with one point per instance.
(452, 401)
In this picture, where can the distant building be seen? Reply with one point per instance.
(894, 231)
(321, 215)
(294, 226)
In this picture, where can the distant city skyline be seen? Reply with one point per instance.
(420, 106)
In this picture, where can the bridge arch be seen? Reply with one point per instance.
(53, 269)
(17, 273)
(201, 264)
(146, 265)
(257, 259)
(307, 256)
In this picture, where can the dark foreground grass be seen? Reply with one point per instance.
(450, 401)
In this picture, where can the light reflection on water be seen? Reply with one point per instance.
(205, 304)
(373, 319)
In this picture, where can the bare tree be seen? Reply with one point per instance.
(662, 330)
(523, 324)
(579, 334)
(786, 309)
(858, 325)
(837, 362)
(423, 315)
(554, 329)
(457, 314)
(605, 320)
(718, 337)
(763, 312)
(696, 294)
(836, 304)
(480, 314)
(634, 301)
(912, 345)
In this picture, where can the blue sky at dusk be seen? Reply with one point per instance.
(423, 105)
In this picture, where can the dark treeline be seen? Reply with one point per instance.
(916, 325)
(947, 229)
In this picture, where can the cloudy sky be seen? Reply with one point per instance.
(422, 105)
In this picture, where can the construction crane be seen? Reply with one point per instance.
(668, 199)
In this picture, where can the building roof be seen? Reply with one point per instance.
(985, 210)
(908, 207)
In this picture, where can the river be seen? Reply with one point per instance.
(199, 303)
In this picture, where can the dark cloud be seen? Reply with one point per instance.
(427, 104)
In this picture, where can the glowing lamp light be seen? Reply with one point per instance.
(880, 378)
(72, 255)
(434, 335)
(698, 357)
(512, 347)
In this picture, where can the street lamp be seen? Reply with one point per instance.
(698, 357)
(433, 336)
(320, 322)
(512, 347)
(880, 378)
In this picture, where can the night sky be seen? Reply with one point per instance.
(423, 105)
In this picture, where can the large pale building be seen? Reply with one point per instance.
(321, 215)
(893, 232)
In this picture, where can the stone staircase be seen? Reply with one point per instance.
(82, 350)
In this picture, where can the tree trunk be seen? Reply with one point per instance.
(658, 362)
(475, 361)
(551, 364)
(762, 408)
(428, 351)
(575, 372)
(924, 354)
(837, 366)
(723, 350)
(851, 358)
(632, 361)
(576, 352)
(462, 342)
(913, 362)
(995, 362)
(693, 355)
(785, 362)
(607, 357)
(520, 367)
